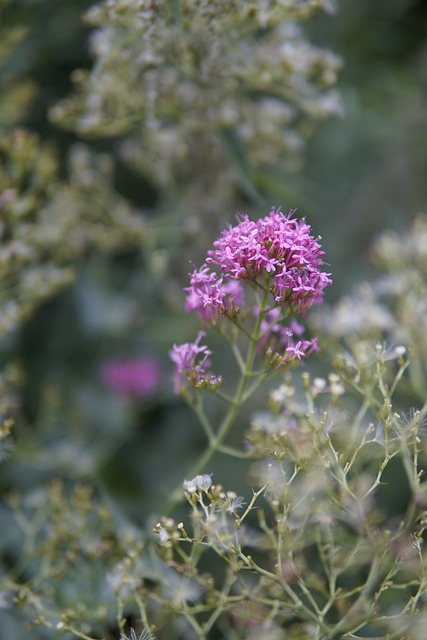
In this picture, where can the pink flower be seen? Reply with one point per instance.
(191, 362)
(138, 377)
(284, 339)
(276, 254)
(276, 250)
(210, 297)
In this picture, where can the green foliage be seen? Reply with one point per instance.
(202, 93)
(48, 224)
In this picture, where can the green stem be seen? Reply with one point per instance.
(204, 422)
(357, 606)
(234, 452)
(216, 442)
(77, 633)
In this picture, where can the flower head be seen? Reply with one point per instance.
(232, 502)
(277, 251)
(191, 362)
(201, 482)
(211, 297)
(144, 635)
(276, 254)
(285, 342)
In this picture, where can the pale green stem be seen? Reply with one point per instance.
(423, 409)
(295, 604)
(222, 602)
(204, 422)
(255, 496)
(224, 397)
(398, 377)
(366, 592)
(238, 356)
(200, 634)
(233, 452)
(77, 633)
(142, 610)
(119, 614)
(239, 398)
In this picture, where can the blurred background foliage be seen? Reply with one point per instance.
(107, 198)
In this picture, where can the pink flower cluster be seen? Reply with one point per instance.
(277, 251)
(191, 362)
(211, 297)
(277, 254)
(283, 339)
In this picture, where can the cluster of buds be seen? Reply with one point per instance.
(191, 362)
(208, 500)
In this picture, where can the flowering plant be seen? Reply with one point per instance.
(304, 517)
(328, 543)
(328, 561)
(267, 271)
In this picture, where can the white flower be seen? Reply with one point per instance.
(202, 482)
(232, 502)
(319, 385)
(123, 581)
(163, 536)
(180, 589)
(144, 635)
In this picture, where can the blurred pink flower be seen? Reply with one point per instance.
(132, 377)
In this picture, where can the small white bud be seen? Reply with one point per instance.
(337, 389)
